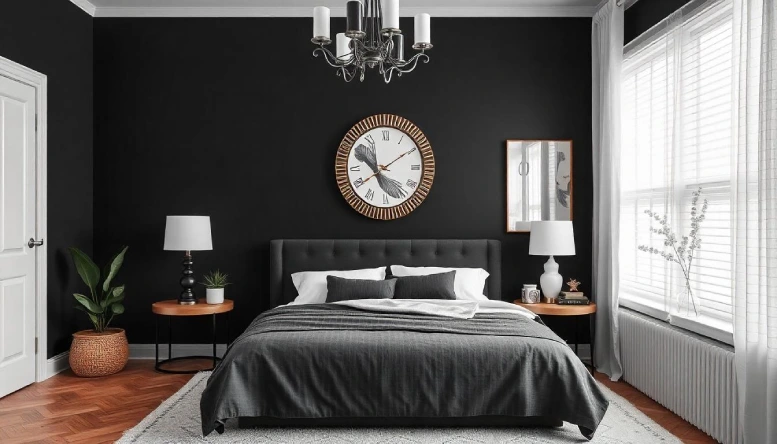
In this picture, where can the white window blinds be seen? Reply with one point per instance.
(677, 104)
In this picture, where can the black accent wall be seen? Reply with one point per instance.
(54, 37)
(234, 118)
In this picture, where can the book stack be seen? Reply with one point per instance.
(572, 298)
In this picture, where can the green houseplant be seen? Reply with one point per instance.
(214, 283)
(102, 350)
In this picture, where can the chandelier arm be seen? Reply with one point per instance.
(409, 65)
(330, 58)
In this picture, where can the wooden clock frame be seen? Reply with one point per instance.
(341, 167)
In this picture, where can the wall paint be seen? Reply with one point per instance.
(54, 37)
(643, 14)
(235, 119)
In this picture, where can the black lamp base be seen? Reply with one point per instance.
(187, 281)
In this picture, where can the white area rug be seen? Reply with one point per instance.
(177, 420)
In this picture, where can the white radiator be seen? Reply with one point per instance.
(686, 373)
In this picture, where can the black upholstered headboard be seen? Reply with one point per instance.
(291, 256)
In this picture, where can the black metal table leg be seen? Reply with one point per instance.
(577, 335)
(592, 333)
(214, 341)
(227, 313)
(169, 337)
(156, 341)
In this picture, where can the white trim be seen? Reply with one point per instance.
(86, 6)
(289, 11)
(57, 364)
(146, 351)
(38, 81)
(630, 3)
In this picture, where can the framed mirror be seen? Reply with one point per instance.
(539, 182)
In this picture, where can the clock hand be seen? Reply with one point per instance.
(385, 167)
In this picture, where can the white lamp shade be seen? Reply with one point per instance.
(552, 238)
(188, 233)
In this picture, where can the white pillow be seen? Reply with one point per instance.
(311, 285)
(468, 284)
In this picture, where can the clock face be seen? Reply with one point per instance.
(384, 167)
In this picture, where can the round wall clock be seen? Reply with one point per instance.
(384, 167)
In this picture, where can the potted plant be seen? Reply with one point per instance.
(214, 284)
(100, 351)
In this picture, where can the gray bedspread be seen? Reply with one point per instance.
(329, 361)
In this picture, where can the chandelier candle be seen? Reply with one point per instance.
(372, 40)
(423, 33)
(391, 15)
(321, 24)
(343, 48)
(354, 14)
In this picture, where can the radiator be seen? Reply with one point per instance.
(690, 375)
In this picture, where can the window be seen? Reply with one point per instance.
(677, 105)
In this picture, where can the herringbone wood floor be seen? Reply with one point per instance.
(68, 409)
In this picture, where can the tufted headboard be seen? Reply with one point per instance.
(290, 256)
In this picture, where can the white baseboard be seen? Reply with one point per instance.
(57, 364)
(147, 351)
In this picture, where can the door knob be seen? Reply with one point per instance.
(33, 243)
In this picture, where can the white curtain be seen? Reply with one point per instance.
(607, 58)
(755, 294)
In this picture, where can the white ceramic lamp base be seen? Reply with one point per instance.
(551, 281)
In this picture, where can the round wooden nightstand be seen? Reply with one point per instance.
(172, 308)
(544, 309)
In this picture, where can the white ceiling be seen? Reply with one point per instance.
(303, 8)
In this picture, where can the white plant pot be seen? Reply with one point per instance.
(214, 295)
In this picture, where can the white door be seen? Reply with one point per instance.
(17, 226)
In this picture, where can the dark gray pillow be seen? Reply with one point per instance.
(431, 286)
(341, 289)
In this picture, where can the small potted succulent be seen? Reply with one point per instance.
(214, 284)
(100, 351)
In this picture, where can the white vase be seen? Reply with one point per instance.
(686, 303)
(214, 295)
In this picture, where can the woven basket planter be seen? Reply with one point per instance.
(98, 354)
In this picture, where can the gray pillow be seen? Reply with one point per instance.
(341, 289)
(430, 286)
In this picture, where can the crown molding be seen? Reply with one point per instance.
(86, 6)
(517, 11)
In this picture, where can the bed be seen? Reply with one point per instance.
(325, 365)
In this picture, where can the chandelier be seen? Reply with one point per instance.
(372, 40)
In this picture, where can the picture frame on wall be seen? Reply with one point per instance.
(539, 182)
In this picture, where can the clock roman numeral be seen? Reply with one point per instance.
(385, 199)
(400, 139)
(358, 182)
(385, 134)
(411, 183)
(369, 139)
(356, 168)
(370, 194)
(415, 167)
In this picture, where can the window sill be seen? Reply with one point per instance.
(703, 325)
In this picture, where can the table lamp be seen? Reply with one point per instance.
(187, 233)
(551, 238)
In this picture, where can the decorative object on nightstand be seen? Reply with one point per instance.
(101, 351)
(573, 284)
(173, 308)
(583, 312)
(530, 294)
(187, 233)
(214, 283)
(551, 238)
